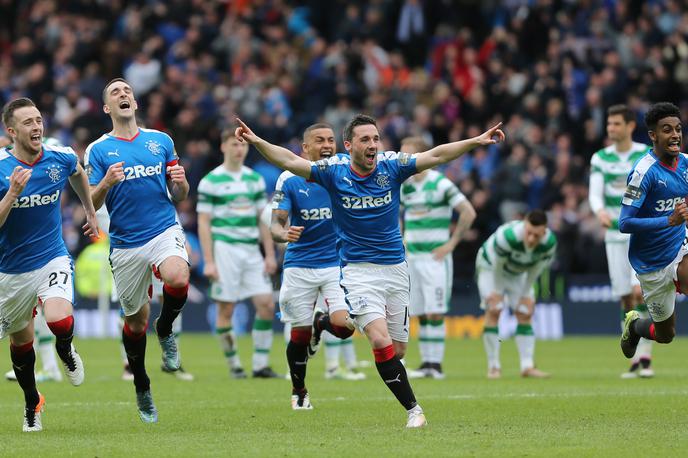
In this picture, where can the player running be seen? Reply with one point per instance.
(654, 212)
(230, 200)
(507, 266)
(364, 190)
(609, 169)
(131, 170)
(302, 218)
(34, 262)
(428, 199)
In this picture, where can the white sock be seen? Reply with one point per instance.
(333, 346)
(424, 343)
(436, 335)
(349, 353)
(491, 341)
(525, 342)
(262, 343)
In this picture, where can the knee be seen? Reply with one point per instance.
(225, 310)
(136, 325)
(380, 341)
(179, 278)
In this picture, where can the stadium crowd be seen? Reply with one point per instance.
(439, 69)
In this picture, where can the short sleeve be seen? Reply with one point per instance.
(637, 188)
(95, 169)
(322, 171)
(205, 197)
(171, 157)
(452, 195)
(281, 199)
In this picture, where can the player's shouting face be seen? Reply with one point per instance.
(26, 129)
(668, 136)
(319, 144)
(119, 100)
(363, 148)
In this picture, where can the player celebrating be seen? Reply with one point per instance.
(428, 199)
(132, 169)
(364, 190)
(302, 217)
(507, 265)
(34, 262)
(609, 169)
(230, 200)
(654, 212)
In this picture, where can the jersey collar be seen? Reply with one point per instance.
(127, 139)
(40, 156)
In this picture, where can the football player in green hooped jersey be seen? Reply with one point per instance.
(429, 199)
(230, 200)
(609, 168)
(507, 266)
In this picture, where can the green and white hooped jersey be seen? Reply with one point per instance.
(507, 243)
(615, 168)
(233, 199)
(428, 209)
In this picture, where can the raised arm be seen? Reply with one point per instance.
(20, 176)
(79, 183)
(281, 157)
(447, 152)
(114, 174)
(177, 184)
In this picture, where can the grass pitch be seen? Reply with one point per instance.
(585, 409)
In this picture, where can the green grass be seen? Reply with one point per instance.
(585, 409)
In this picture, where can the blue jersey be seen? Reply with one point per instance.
(32, 234)
(655, 189)
(309, 206)
(139, 206)
(366, 208)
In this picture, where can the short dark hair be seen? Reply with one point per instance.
(112, 81)
(12, 106)
(536, 217)
(317, 125)
(623, 110)
(659, 111)
(357, 120)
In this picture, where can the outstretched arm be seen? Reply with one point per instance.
(449, 151)
(281, 157)
(79, 183)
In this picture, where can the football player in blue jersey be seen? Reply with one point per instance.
(131, 170)
(34, 262)
(654, 212)
(364, 189)
(302, 218)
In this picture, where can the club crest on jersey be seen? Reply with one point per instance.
(382, 180)
(54, 173)
(154, 147)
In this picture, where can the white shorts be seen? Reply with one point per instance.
(241, 269)
(132, 267)
(376, 291)
(621, 274)
(512, 287)
(19, 293)
(431, 284)
(659, 289)
(302, 287)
